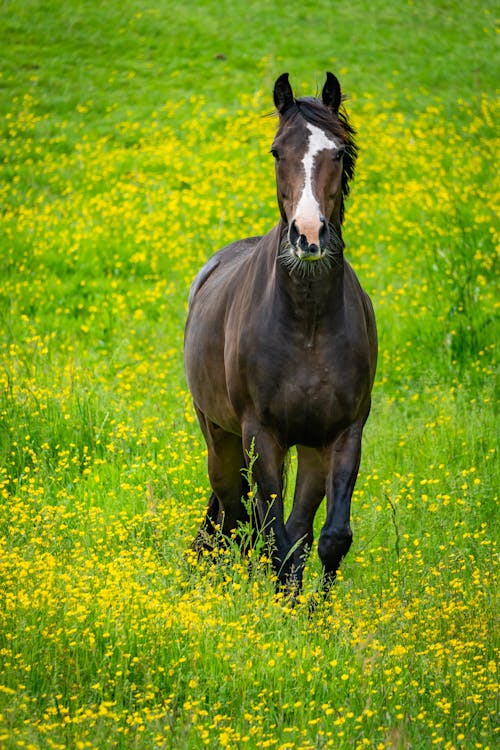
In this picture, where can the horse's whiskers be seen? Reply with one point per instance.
(331, 257)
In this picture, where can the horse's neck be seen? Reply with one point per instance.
(309, 299)
(312, 300)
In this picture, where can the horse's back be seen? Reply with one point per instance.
(224, 259)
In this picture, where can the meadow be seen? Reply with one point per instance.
(134, 144)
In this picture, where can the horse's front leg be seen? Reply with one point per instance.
(309, 492)
(336, 535)
(267, 474)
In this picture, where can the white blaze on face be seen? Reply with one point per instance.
(308, 213)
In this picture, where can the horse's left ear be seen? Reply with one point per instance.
(331, 95)
(283, 94)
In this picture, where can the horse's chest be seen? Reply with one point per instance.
(310, 397)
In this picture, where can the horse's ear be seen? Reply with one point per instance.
(331, 94)
(283, 94)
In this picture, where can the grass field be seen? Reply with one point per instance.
(133, 145)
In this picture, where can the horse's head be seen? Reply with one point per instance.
(314, 154)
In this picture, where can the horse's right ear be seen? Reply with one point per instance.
(283, 94)
(331, 94)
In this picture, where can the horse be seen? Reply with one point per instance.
(280, 350)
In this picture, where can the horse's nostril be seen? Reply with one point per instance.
(324, 234)
(293, 234)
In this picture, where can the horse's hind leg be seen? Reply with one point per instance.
(336, 535)
(225, 463)
(204, 538)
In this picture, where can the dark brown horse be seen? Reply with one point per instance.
(281, 348)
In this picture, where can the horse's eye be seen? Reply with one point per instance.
(275, 153)
(338, 153)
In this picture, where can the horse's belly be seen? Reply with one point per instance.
(205, 374)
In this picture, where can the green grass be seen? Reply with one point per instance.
(133, 145)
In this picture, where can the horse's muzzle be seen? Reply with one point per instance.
(300, 244)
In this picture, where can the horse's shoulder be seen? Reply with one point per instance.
(225, 256)
(354, 284)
